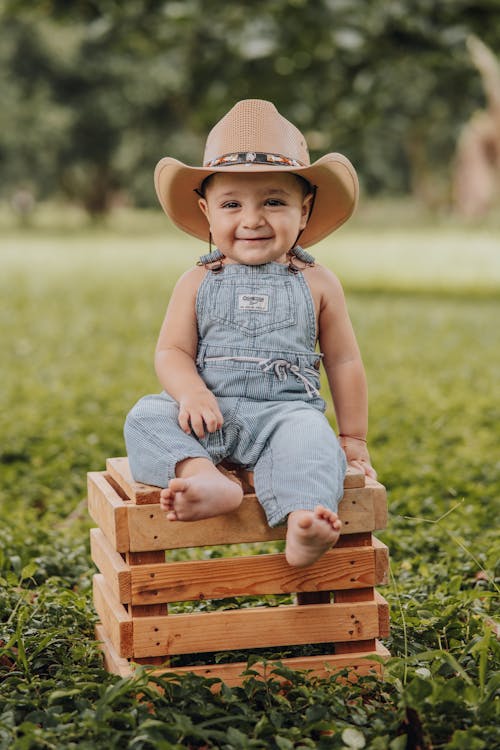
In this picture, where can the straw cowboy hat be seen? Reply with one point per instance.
(254, 137)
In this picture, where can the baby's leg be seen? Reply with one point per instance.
(199, 491)
(155, 441)
(162, 454)
(300, 477)
(310, 534)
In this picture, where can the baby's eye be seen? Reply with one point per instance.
(274, 202)
(230, 204)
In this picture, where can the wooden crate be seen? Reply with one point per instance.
(335, 600)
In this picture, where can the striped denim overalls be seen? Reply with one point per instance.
(256, 353)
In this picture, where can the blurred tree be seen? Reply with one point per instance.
(32, 123)
(477, 165)
(114, 86)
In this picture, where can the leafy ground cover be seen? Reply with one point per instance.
(79, 313)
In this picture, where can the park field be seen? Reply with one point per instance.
(80, 309)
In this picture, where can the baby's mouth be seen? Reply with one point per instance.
(252, 239)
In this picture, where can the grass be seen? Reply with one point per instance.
(80, 309)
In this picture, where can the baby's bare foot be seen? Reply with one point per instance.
(202, 495)
(310, 534)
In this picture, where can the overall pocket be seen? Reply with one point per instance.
(254, 309)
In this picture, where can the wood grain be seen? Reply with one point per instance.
(112, 565)
(255, 575)
(114, 617)
(255, 628)
(108, 510)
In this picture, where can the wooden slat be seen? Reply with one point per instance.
(384, 626)
(364, 508)
(112, 662)
(136, 560)
(254, 628)
(379, 503)
(256, 575)
(351, 596)
(114, 617)
(141, 494)
(353, 478)
(358, 663)
(150, 529)
(112, 565)
(144, 494)
(356, 511)
(381, 562)
(108, 510)
(364, 595)
(262, 574)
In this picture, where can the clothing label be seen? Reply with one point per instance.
(256, 302)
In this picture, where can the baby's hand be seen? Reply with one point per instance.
(357, 455)
(199, 410)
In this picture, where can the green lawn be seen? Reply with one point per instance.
(80, 309)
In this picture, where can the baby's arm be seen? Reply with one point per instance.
(344, 370)
(175, 359)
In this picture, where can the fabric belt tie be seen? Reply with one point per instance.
(281, 369)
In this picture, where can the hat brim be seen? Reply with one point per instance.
(333, 174)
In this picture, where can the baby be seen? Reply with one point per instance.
(237, 352)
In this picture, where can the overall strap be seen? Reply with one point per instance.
(212, 261)
(303, 255)
(298, 253)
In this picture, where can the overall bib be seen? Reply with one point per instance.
(256, 353)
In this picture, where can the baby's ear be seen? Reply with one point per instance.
(203, 206)
(306, 208)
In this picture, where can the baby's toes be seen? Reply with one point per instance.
(325, 513)
(166, 499)
(178, 484)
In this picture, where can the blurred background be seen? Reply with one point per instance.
(94, 92)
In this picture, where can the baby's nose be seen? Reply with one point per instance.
(252, 217)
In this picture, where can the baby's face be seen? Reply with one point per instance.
(255, 218)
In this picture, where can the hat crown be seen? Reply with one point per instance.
(255, 125)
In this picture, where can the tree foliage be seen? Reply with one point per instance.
(95, 91)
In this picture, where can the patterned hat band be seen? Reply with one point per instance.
(254, 157)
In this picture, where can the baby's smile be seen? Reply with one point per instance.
(254, 239)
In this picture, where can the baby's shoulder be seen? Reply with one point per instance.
(186, 288)
(323, 281)
(191, 279)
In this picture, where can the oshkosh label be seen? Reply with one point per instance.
(256, 302)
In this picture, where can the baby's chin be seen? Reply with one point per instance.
(255, 258)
